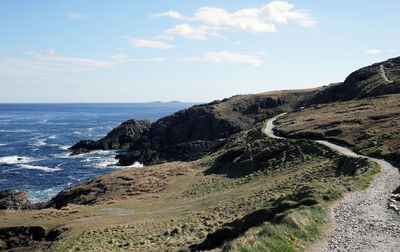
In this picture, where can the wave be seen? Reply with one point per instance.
(135, 165)
(36, 196)
(3, 144)
(64, 147)
(86, 160)
(40, 142)
(64, 155)
(52, 137)
(16, 131)
(16, 159)
(112, 163)
(34, 167)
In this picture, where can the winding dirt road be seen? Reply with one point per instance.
(383, 74)
(362, 221)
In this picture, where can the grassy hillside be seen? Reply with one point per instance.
(277, 189)
(370, 126)
(223, 184)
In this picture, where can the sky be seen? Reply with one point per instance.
(191, 51)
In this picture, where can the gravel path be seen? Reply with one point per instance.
(362, 221)
(383, 74)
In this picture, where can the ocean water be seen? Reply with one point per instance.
(34, 141)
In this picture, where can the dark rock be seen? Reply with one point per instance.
(188, 134)
(26, 236)
(75, 195)
(17, 200)
(122, 137)
(363, 83)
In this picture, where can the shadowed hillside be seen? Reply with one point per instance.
(191, 133)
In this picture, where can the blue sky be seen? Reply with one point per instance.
(194, 51)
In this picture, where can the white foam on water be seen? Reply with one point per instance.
(53, 137)
(40, 142)
(64, 147)
(110, 153)
(34, 167)
(135, 165)
(112, 163)
(86, 160)
(15, 131)
(16, 159)
(43, 195)
(106, 162)
(64, 155)
(2, 144)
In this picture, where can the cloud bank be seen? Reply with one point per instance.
(252, 20)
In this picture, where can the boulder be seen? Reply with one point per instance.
(14, 200)
(121, 137)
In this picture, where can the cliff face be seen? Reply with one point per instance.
(11, 199)
(122, 137)
(191, 133)
(377, 79)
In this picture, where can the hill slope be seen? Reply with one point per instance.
(231, 187)
(191, 133)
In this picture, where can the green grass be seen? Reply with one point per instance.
(274, 199)
(297, 219)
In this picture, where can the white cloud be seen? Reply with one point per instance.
(125, 58)
(171, 14)
(219, 57)
(281, 12)
(224, 56)
(373, 51)
(51, 56)
(75, 16)
(189, 59)
(254, 20)
(241, 21)
(35, 63)
(19, 67)
(51, 51)
(163, 37)
(190, 32)
(138, 43)
(237, 43)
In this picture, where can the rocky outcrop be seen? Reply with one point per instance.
(26, 237)
(191, 133)
(363, 83)
(14, 200)
(122, 137)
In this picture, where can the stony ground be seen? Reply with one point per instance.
(362, 220)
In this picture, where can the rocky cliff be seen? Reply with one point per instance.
(191, 133)
(122, 137)
(11, 199)
(374, 80)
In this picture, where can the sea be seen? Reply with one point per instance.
(34, 142)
